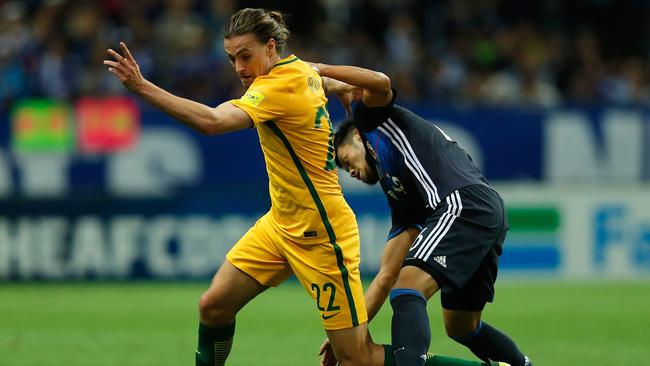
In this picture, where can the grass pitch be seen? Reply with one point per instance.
(557, 324)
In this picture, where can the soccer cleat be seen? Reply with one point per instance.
(494, 363)
(528, 363)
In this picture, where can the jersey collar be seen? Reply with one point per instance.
(287, 60)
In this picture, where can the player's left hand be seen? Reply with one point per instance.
(125, 68)
(327, 354)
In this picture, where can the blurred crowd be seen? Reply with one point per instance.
(537, 53)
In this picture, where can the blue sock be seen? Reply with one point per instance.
(487, 342)
(410, 331)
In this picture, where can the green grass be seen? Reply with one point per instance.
(558, 324)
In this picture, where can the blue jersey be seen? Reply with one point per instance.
(417, 163)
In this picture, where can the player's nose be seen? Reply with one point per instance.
(239, 68)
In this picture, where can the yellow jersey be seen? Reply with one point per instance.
(288, 108)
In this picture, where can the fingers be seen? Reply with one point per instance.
(118, 73)
(118, 57)
(324, 346)
(126, 51)
(121, 64)
(117, 68)
(112, 63)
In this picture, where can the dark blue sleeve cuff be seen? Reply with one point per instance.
(396, 230)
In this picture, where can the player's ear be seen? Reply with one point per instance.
(270, 46)
(357, 136)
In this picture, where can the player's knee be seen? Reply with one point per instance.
(460, 330)
(213, 312)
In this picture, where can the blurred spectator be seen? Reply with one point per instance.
(538, 54)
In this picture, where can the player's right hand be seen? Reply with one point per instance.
(327, 354)
(349, 95)
(125, 68)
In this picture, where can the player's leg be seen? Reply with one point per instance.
(410, 330)
(485, 341)
(438, 259)
(230, 290)
(252, 265)
(418, 280)
(463, 303)
(329, 272)
(462, 310)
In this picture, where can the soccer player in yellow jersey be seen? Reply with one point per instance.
(310, 230)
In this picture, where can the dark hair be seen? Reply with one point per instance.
(343, 136)
(264, 24)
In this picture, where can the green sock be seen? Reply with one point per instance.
(389, 357)
(433, 360)
(214, 345)
(438, 360)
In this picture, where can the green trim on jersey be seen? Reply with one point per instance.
(286, 62)
(323, 214)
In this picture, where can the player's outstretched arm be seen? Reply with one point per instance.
(210, 121)
(376, 86)
(391, 262)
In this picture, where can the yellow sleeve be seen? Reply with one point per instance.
(265, 100)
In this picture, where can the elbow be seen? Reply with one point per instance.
(211, 125)
(208, 130)
(384, 81)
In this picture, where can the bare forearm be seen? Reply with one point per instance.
(376, 295)
(333, 86)
(391, 263)
(195, 115)
(357, 76)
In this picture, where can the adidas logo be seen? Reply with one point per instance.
(441, 259)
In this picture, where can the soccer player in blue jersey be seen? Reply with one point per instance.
(448, 224)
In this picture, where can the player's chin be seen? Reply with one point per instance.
(370, 180)
(246, 81)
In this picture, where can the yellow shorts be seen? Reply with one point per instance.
(328, 271)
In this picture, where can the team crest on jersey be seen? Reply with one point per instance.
(395, 187)
(252, 97)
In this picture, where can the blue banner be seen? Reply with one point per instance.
(172, 205)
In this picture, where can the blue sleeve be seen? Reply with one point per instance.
(396, 230)
(367, 119)
(403, 219)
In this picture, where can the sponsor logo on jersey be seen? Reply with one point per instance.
(252, 97)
